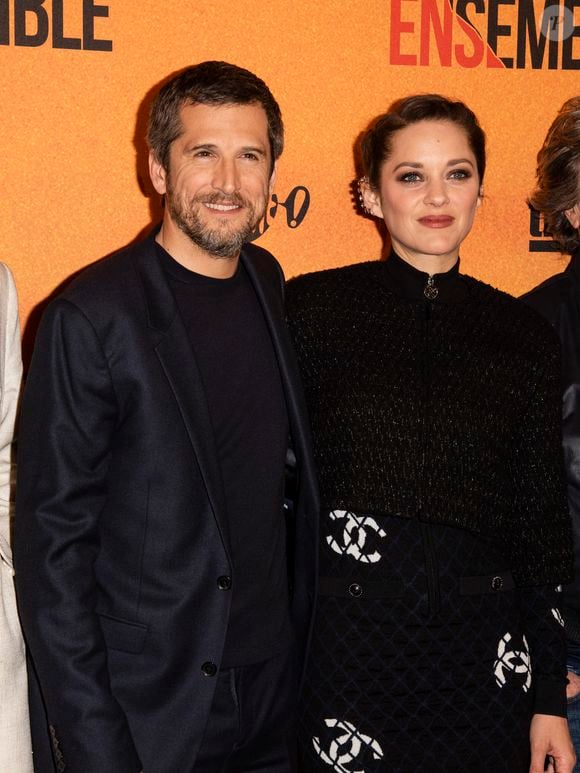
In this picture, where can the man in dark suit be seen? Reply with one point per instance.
(164, 586)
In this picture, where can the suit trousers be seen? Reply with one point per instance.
(249, 729)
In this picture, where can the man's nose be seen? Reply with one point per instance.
(226, 178)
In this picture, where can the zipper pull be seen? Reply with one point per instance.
(430, 291)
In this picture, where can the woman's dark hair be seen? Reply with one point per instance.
(376, 142)
(210, 83)
(558, 176)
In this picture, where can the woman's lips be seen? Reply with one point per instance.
(436, 221)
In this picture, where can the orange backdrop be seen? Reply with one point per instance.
(73, 186)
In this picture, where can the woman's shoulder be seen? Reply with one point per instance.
(515, 318)
(331, 283)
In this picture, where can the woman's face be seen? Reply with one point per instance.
(428, 193)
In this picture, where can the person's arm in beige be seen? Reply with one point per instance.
(15, 746)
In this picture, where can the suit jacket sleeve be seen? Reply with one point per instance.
(69, 416)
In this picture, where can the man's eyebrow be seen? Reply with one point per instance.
(251, 148)
(203, 146)
(212, 146)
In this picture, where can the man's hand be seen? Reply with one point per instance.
(549, 736)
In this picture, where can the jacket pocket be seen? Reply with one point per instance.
(489, 583)
(123, 635)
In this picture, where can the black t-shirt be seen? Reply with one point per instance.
(234, 352)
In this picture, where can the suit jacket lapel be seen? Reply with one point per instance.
(272, 303)
(177, 358)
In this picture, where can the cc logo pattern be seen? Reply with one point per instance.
(346, 747)
(512, 661)
(355, 535)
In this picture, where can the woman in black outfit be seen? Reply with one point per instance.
(444, 530)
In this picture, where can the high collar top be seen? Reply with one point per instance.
(410, 283)
(574, 265)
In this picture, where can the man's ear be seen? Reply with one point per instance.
(573, 215)
(273, 178)
(158, 174)
(370, 198)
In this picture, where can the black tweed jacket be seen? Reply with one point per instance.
(446, 410)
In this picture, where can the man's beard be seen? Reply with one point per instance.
(220, 242)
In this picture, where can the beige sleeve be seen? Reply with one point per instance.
(15, 745)
(10, 378)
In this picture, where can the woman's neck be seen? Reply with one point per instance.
(430, 264)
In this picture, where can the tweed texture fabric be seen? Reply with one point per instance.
(447, 411)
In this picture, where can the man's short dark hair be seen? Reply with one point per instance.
(210, 83)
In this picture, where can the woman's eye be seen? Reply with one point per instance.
(410, 177)
(460, 174)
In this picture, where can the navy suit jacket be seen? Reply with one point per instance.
(120, 531)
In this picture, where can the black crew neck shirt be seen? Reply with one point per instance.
(234, 353)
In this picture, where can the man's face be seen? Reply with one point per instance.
(219, 178)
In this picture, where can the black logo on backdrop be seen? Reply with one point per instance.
(540, 240)
(485, 33)
(295, 207)
(34, 23)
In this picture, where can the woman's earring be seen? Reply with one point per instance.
(362, 181)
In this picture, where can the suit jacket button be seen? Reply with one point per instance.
(209, 669)
(355, 589)
(224, 582)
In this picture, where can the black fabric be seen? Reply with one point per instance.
(249, 726)
(558, 300)
(121, 517)
(498, 582)
(467, 393)
(238, 367)
(420, 675)
(345, 587)
(407, 282)
(436, 430)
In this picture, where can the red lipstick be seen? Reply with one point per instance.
(436, 221)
